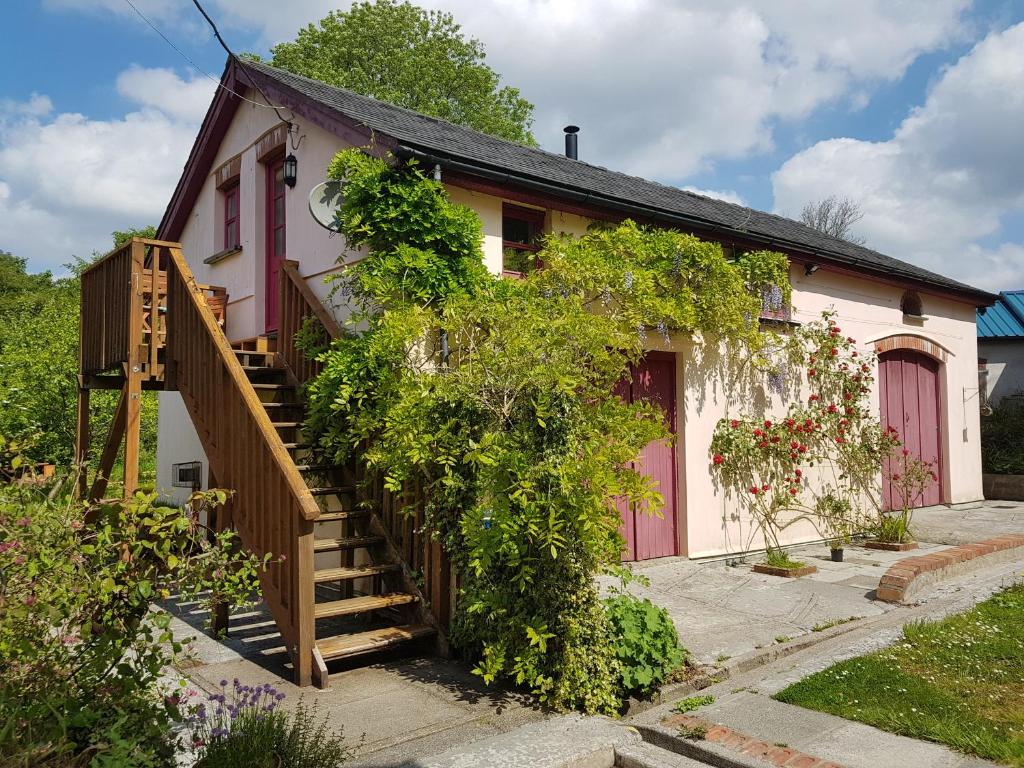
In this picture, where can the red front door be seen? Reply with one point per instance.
(275, 248)
(909, 394)
(650, 535)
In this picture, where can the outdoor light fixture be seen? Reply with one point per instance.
(809, 270)
(291, 170)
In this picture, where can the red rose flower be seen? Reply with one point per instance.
(799, 473)
(734, 423)
(717, 459)
(765, 487)
(793, 491)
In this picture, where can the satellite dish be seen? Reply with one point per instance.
(324, 201)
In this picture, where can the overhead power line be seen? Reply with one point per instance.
(202, 71)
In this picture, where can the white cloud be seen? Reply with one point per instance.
(67, 181)
(661, 88)
(949, 176)
(163, 90)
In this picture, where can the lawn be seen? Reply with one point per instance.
(958, 681)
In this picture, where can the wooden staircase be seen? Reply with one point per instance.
(355, 573)
(344, 553)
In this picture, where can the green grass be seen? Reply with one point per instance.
(957, 681)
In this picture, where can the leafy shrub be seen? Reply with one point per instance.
(645, 642)
(893, 528)
(516, 436)
(82, 649)
(242, 727)
(1002, 450)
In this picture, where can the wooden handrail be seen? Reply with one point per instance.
(272, 508)
(299, 303)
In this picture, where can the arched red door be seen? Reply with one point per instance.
(911, 402)
(648, 535)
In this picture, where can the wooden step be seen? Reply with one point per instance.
(363, 604)
(317, 467)
(332, 491)
(340, 646)
(342, 514)
(269, 386)
(346, 542)
(282, 405)
(357, 572)
(297, 446)
(286, 424)
(253, 352)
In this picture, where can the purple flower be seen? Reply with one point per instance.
(23, 522)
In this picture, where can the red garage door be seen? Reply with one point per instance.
(648, 536)
(909, 395)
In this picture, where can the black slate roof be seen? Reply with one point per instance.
(599, 186)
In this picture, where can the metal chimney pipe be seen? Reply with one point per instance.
(571, 145)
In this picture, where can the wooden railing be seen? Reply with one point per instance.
(298, 304)
(402, 515)
(272, 508)
(420, 553)
(111, 321)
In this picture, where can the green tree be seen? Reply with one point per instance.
(405, 55)
(39, 362)
(123, 236)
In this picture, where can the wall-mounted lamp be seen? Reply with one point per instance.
(810, 269)
(291, 170)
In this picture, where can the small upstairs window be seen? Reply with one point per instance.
(521, 230)
(911, 304)
(232, 232)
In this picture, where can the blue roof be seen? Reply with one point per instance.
(1004, 319)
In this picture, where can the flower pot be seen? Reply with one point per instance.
(837, 555)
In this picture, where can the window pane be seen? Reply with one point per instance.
(232, 203)
(279, 242)
(279, 180)
(279, 211)
(517, 231)
(231, 235)
(516, 260)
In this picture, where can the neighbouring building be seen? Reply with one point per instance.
(1001, 347)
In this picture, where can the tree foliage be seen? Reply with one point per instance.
(402, 54)
(39, 315)
(835, 217)
(516, 434)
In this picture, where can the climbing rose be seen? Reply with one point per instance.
(717, 458)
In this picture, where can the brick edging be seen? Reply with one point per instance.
(749, 745)
(898, 582)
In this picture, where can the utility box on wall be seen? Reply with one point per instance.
(188, 474)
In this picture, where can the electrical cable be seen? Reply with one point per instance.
(202, 71)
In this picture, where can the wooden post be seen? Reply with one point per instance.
(220, 520)
(133, 369)
(82, 443)
(305, 597)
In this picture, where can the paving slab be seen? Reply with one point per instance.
(569, 741)
(968, 523)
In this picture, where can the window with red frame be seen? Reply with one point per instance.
(232, 238)
(521, 229)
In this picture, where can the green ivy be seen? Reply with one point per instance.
(517, 437)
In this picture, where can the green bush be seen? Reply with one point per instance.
(645, 642)
(82, 648)
(516, 437)
(1002, 450)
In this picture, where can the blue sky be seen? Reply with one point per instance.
(902, 107)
